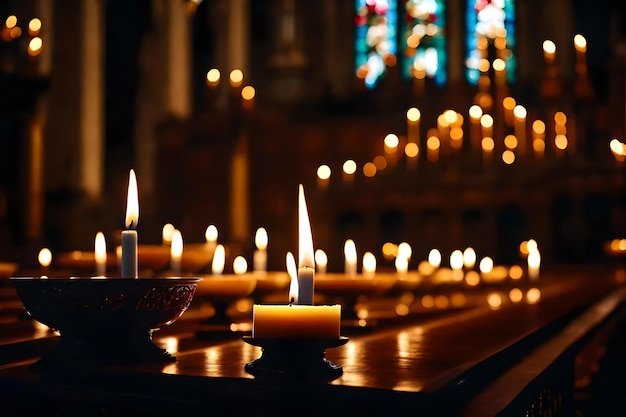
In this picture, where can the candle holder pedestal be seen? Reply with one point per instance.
(294, 358)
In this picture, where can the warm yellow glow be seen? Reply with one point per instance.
(539, 127)
(219, 260)
(494, 300)
(260, 238)
(549, 47)
(482, 43)
(475, 112)
(450, 116)
(236, 77)
(213, 77)
(323, 172)
(100, 249)
(248, 93)
(472, 278)
(508, 157)
(441, 301)
(487, 144)
(531, 245)
(533, 296)
(349, 167)
(391, 142)
(428, 301)
(413, 41)
(500, 41)
(425, 268)
(45, 257)
(402, 264)
(389, 250)
(211, 234)
(516, 272)
(509, 103)
(516, 295)
(456, 259)
(305, 237)
(369, 169)
(402, 309)
(413, 114)
(510, 141)
(560, 118)
(167, 232)
(349, 252)
(560, 141)
(433, 143)
(34, 46)
(520, 112)
(34, 26)
(456, 135)
(498, 65)
(580, 43)
(618, 148)
(176, 250)
(15, 32)
(321, 259)
(411, 150)
(404, 250)
(539, 145)
(369, 263)
(486, 265)
(240, 265)
(434, 258)
(132, 202)
(380, 162)
(10, 22)
(486, 121)
(483, 65)
(622, 245)
(469, 258)
(292, 270)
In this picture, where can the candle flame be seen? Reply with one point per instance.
(456, 260)
(167, 232)
(240, 265)
(176, 250)
(369, 263)
(132, 202)
(219, 259)
(434, 258)
(100, 248)
(469, 258)
(261, 238)
(486, 265)
(292, 270)
(321, 259)
(305, 243)
(45, 257)
(349, 251)
(211, 234)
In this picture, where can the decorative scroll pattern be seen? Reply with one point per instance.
(167, 298)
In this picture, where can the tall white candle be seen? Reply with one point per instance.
(100, 252)
(176, 252)
(129, 236)
(306, 262)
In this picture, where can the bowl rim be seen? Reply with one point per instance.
(189, 280)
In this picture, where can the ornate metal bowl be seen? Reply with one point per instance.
(105, 320)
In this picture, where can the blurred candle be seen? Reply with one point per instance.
(219, 260)
(508, 104)
(434, 258)
(539, 135)
(369, 264)
(349, 169)
(475, 113)
(519, 112)
(176, 252)
(486, 124)
(321, 260)
(432, 149)
(259, 258)
(166, 234)
(485, 265)
(240, 265)
(549, 51)
(213, 78)
(413, 116)
(469, 258)
(534, 263)
(487, 145)
(129, 236)
(456, 260)
(306, 261)
(323, 176)
(44, 257)
(100, 252)
(350, 257)
(210, 235)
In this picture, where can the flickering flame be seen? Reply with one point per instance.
(176, 250)
(34, 46)
(213, 77)
(402, 264)
(261, 238)
(508, 157)
(248, 93)
(369, 263)
(219, 260)
(456, 260)
(323, 172)
(349, 252)
(292, 270)
(211, 234)
(411, 150)
(369, 169)
(240, 265)
(34, 26)
(475, 112)
(45, 257)
(494, 300)
(499, 65)
(10, 22)
(305, 238)
(487, 144)
(485, 265)
(391, 142)
(167, 233)
(404, 250)
(533, 296)
(321, 260)
(413, 114)
(520, 112)
(469, 258)
(516, 272)
(486, 121)
(236, 77)
(434, 258)
(531, 245)
(132, 202)
(549, 47)
(580, 43)
(534, 262)
(349, 167)
(510, 141)
(516, 295)
(100, 249)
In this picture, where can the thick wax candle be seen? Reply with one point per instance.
(129, 237)
(296, 321)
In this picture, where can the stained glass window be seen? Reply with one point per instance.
(425, 39)
(376, 30)
(490, 34)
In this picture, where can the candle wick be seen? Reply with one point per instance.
(293, 300)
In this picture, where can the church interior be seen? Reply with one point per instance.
(474, 151)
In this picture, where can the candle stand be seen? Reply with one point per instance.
(104, 321)
(294, 358)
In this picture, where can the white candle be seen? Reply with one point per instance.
(306, 262)
(259, 257)
(176, 252)
(129, 236)
(350, 257)
(100, 252)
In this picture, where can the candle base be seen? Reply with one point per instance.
(294, 358)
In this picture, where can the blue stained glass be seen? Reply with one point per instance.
(424, 38)
(489, 19)
(375, 41)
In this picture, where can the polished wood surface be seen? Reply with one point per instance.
(436, 364)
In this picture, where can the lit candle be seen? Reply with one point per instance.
(456, 264)
(321, 260)
(210, 235)
(292, 270)
(100, 252)
(176, 252)
(129, 236)
(213, 78)
(413, 116)
(259, 257)
(519, 112)
(469, 258)
(166, 233)
(219, 260)
(306, 262)
(296, 321)
(323, 176)
(434, 258)
(534, 261)
(549, 51)
(349, 169)
(240, 265)
(369, 264)
(475, 113)
(432, 149)
(45, 259)
(539, 135)
(350, 257)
